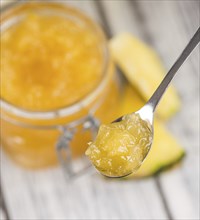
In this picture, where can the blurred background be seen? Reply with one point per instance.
(174, 194)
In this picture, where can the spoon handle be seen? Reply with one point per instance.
(157, 95)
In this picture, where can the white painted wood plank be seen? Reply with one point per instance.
(187, 82)
(2, 207)
(178, 196)
(46, 195)
(2, 214)
(6, 2)
(120, 17)
(164, 23)
(85, 6)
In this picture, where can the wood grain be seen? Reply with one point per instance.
(167, 27)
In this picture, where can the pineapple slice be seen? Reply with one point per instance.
(144, 70)
(165, 150)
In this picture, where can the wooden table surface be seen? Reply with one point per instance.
(166, 26)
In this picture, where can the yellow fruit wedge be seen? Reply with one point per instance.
(165, 151)
(144, 70)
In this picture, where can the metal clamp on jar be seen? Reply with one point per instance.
(63, 146)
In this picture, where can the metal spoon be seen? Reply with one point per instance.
(147, 111)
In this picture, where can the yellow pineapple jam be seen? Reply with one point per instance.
(121, 147)
(55, 69)
(48, 62)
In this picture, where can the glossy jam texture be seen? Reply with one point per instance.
(121, 147)
(48, 62)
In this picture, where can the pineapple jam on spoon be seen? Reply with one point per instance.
(120, 147)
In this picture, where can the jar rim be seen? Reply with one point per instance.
(78, 105)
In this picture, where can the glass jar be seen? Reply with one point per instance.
(30, 137)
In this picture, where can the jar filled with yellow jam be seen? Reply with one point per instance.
(57, 82)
